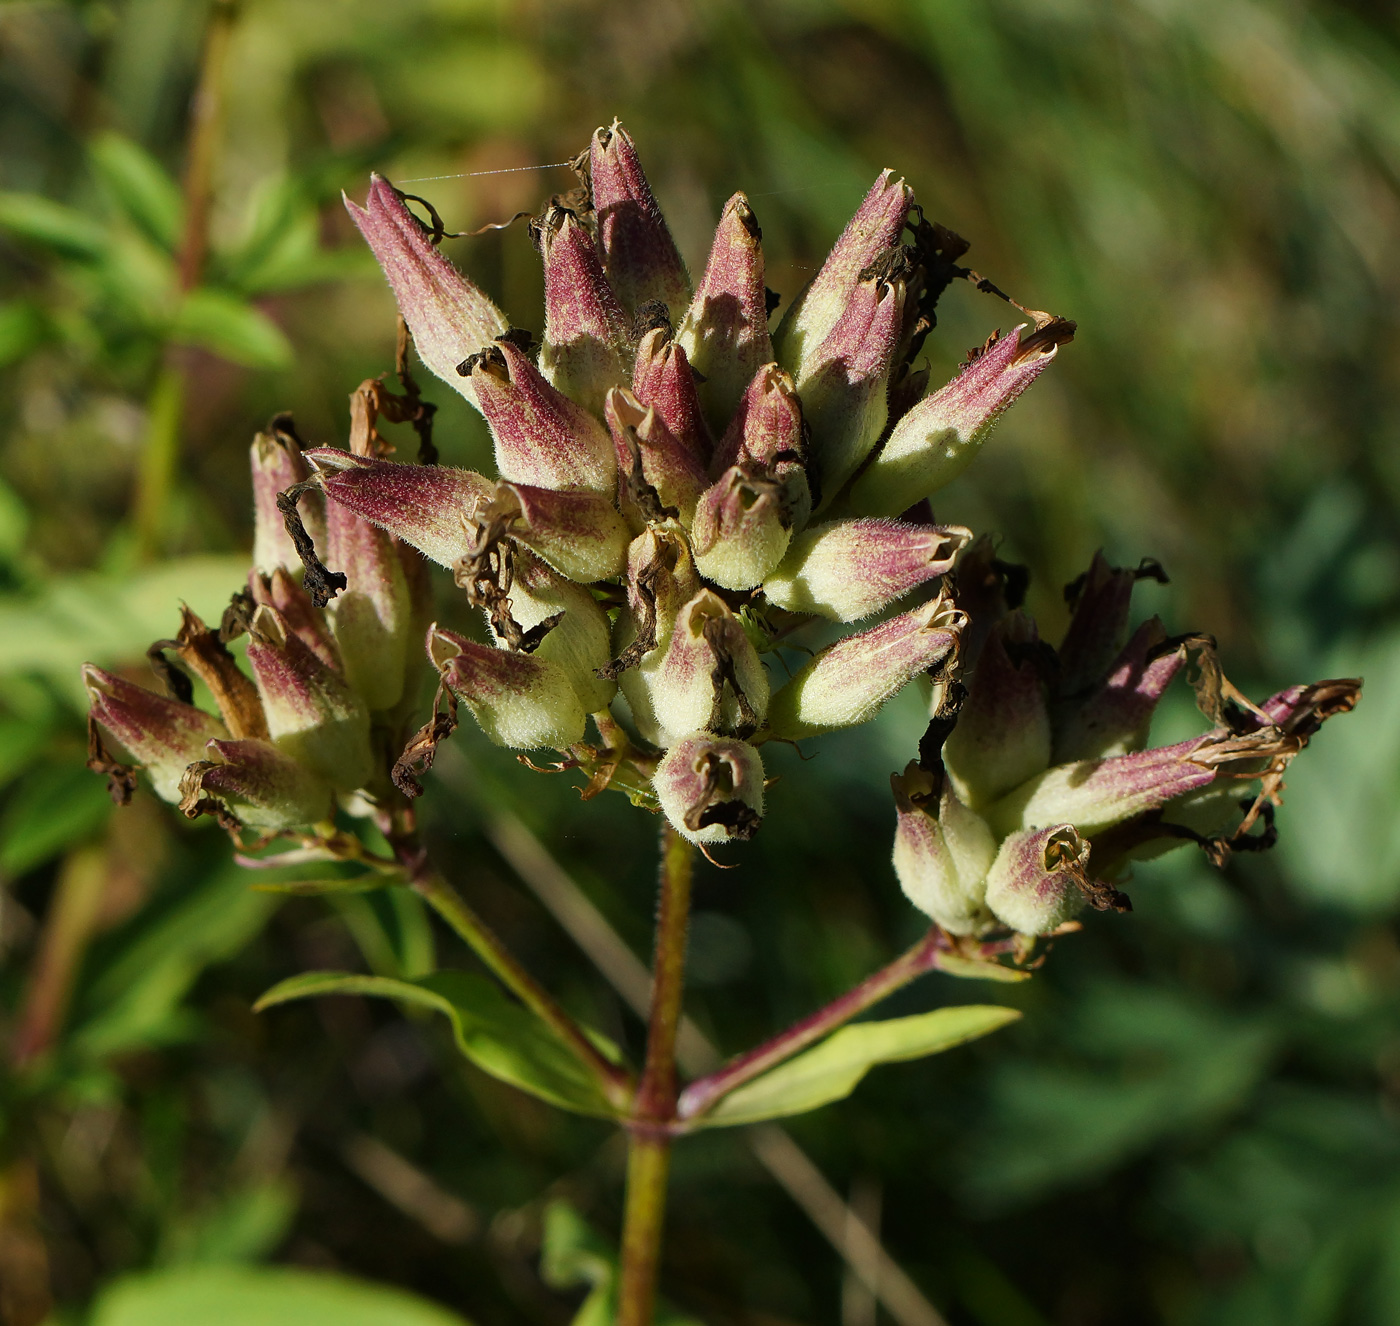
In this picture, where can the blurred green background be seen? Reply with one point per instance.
(1196, 1120)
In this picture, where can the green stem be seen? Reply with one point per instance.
(649, 1146)
(159, 456)
(615, 1081)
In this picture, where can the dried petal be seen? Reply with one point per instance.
(849, 569)
(849, 682)
(937, 439)
(519, 700)
(449, 317)
(711, 788)
(942, 851)
(639, 254)
(161, 735)
(725, 332)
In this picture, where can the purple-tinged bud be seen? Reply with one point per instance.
(710, 676)
(1097, 794)
(519, 700)
(1034, 885)
(938, 438)
(711, 788)
(277, 463)
(767, 425)
(372, 616)
(262, 787)
(744, 520)
(639, 254)
(161, 735)
(579, 641)
(844, 382)
(580, 534)
(849, 569)
(1002, 737)
(585, 330)
(662, 381)
(849, 682)
(312, 713)
(302, 616)
(1102, 600)
(641, 437)
(449, 317)
(873, 230)
(542, 437)
(423, 505)
(987, 588)
(1114, 720)
(942, 851)
(725, 332)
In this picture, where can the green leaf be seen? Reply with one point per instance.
(831, 1070)
(55, 807)
(139, 186)
(42, 221)
(261, 1296)
(973, 970)
(228, 327)
(498, 1036)
(22, 327)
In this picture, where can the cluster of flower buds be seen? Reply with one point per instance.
(1029, 801)
(330, 689)
(679, 489)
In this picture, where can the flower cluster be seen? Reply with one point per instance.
(678, 492)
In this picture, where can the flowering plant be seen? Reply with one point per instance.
(683, 495)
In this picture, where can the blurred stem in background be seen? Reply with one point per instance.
(160, 454)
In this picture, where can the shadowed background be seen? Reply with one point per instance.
(1196, 1120)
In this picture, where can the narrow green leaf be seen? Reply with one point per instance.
(261, 1296)
(139, 186)
(22, 327)
(973, 970)
(55, 806)
(42, 221)
(831, 1070)
(223, 324)
(498, 1036)
(369, 882)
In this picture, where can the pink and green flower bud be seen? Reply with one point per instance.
(1096, 794)
(710, 676)
(725, 332)
(449, 317)
(844, 383)
(262, 787)
(849, 682)
(580, 534)
(579, 642)
(303, 618)
(1102, 600)
(585, 329)
(520, 701)
(639, 255)
(423, 505)
(1002, 737)
(942, 852)
(277, 463)
(667, 465)
(372, 617)
(875, 228)
(1115, 719)
(849, 569)
(711, 788)
(938, 438)
(767, 426)
(662, 381)
(743, 523)
(313, 715)
(1034, 884)
(542, 437)
(161, 735)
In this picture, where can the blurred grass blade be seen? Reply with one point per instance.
(831, 1070)
(498, 1036)
(62, 229)
(236, 331)
(140, 188)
